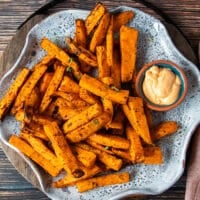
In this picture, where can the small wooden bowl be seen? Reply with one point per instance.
(175, 69)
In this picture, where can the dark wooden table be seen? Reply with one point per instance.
(184, 14)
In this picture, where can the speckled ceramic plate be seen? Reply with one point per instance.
(154, 43)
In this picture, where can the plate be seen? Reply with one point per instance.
(154, 43)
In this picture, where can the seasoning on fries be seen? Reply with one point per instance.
(94, 17)
(102, 181)
(63, 150)
(128, 52)
(25, 148)
(12, 92)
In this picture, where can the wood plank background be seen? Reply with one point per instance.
(185, 14)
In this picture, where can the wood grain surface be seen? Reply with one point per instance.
(185, 14)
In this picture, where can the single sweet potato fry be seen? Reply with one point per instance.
(103, 68)
(100, 89)
(80, 33)
(82, 118)
(128, 48)
(163, 129)
(115, 69)
(122, 18)
(136, 149)
(94, 17)
(69, 179)
(100, 32)
(84, 131)
(110, 43)
(101, 181)
(110, 140)
(139, 120)
(12, 92)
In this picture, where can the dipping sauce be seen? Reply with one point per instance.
(161, 86)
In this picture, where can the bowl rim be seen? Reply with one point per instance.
(152, 105)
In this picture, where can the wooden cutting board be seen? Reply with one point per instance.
(16, 44)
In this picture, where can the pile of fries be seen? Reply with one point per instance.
(84, 125)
